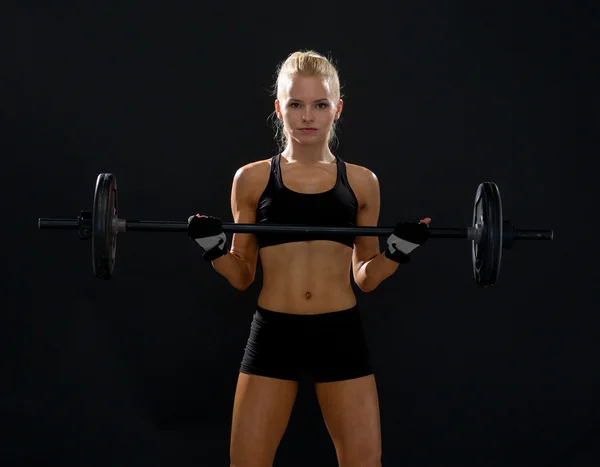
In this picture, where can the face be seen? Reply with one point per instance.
(307, 108)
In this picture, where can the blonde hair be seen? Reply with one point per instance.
(304, 63)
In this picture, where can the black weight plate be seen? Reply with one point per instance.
(104, 236)
(487, 250)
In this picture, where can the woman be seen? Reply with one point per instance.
(307, 321)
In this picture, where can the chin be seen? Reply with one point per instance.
(310, 136)
(308, 140)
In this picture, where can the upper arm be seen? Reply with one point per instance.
(243, 207)
(366, 248)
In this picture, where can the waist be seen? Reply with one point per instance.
(295, 319)
(307, 301)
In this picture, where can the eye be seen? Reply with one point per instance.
(294, 105)
(323, 105)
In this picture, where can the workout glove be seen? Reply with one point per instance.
(207, 232)
(406, 237)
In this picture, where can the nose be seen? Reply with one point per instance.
(307, 117)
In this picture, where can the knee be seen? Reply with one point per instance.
(365, 458)
(362, 463)
(233, 462)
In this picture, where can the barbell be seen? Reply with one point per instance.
(489, 234)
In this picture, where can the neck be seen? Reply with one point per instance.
(308, 154)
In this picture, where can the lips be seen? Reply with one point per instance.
(308, 129)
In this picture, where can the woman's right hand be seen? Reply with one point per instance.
(207, 232)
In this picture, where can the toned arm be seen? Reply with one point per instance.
(239, 265)
(369, 266)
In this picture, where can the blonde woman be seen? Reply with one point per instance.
(306, 320)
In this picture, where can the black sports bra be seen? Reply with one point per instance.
(280, 205)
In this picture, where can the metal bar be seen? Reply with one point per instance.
(534, 235)
(170, 226)
(166, 226)
(45, 223)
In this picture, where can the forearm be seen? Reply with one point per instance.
(374, 272)
(234, 269)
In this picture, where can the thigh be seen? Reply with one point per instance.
(351, 412)
(261, 411)
(338, 349)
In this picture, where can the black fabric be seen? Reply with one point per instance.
(214, 253)
(397, 256)
(204, 226)
(323, 347)
(337, 207)
(414, 232)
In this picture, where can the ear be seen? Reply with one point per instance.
(338, 112)
(278, 109)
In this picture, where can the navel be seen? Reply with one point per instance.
(308, 295)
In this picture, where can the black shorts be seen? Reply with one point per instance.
(325, 347)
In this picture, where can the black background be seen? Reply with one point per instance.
(172, 98)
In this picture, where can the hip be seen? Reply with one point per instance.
(327, 346)
(287, 326)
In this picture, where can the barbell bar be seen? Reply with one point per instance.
(489, 234)
(50, 223)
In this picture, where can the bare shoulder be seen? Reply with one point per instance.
(251, 179)
(363, 181)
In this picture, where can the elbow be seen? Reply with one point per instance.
(243, 284)
(364, 287)
(244, 276)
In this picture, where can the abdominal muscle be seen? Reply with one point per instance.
(306, 278)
